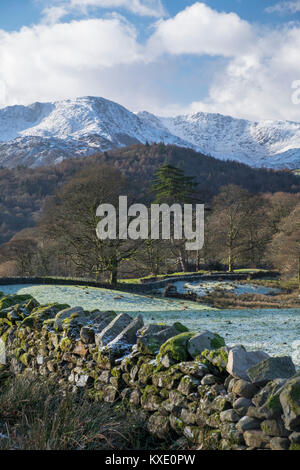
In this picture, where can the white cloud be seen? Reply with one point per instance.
(60, 8)
(53, 14)
(284, 7)
(261, 65)
(201, 30)
(57, 60)
(253, 77)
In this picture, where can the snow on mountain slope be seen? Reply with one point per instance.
(45, 133)
(266, 143)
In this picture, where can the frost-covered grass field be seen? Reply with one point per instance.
(277, 331)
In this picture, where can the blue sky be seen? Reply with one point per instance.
(16, 13)
(235, 57)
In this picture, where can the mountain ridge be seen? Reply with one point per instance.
(46, 133)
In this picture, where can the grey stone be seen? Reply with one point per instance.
(159, 426)
(279, 443)
(104, 377)
(208, 379)
(230, 432)
(227, 382)
(256, 439)
(122, 344)
(193, 368)
(100, 320)
(240, 360)
(187, 416)
(87, 335)
(295, 437)
(247, 424)
(167, 361)
(241, 405)
(112, 330)
(229, 416)
(231, 384)
(259, 413)
(82, 380)
(267, 391)
(274, 428)
(272, 368)
(68, 312)
(110, 394)
(152, 337)
(135, 397)
(290, 402)
(245, 389)
(221, 403)
(188, 385)
(40, 360)
(202, 341)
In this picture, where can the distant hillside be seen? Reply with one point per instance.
(23, 191)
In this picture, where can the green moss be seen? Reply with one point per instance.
(24, 358)
(177, 424)
(150, 390)
(103, 361)
(217, 357)
(146, 372)
(31, 304)
(65, 344)
(294, 446)
(180, 327)
(176, 347)
(11, 300)
(273, 403)
(217, 342)
(42, 313)
(95, 395)
(116, 372)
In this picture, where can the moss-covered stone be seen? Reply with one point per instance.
(176, 348)
(217, 357)
(150, 399)
(177, 424)
(65, 344)
(42, 313)
(10, 300)
(24, 358)
(145, 373)
(290, 402)
(217, 342)
(180, 327)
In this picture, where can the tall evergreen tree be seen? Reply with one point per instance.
(171, 185)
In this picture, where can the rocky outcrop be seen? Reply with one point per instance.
(190, 386)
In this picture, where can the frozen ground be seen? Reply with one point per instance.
(277, 331)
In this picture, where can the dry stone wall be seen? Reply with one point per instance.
(190, 386)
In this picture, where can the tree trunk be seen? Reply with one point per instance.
(114, 273)
(299, 272)
(230, 262)
(182, 259)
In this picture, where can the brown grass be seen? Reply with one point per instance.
(35, 414)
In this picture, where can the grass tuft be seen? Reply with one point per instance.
(35, 414)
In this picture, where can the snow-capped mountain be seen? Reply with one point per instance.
(45, 133)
